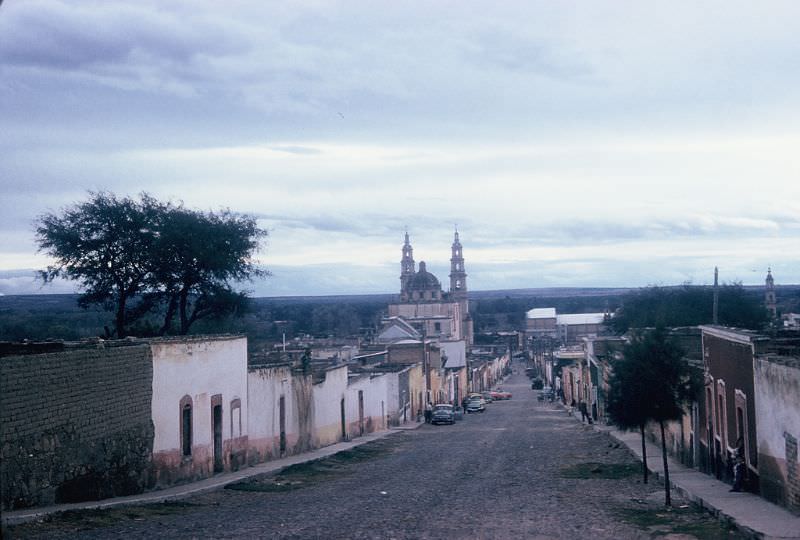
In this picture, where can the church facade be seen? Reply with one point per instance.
(424, 304)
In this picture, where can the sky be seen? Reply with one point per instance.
(595, 144)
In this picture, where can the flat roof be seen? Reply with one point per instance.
(541, 313)
(581, 318)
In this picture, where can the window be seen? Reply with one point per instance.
(236, 418)
(437, 327)
(741, 423)
(186, 425)
(722, 417)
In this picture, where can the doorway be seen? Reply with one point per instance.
(282, 421)
(216, 419)
(360, 412)
(344, 424)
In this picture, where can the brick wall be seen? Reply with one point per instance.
(75, 425)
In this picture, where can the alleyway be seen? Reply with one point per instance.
(522, 469)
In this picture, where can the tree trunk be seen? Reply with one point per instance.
(644, 454)
(170, 314)
(184, 305)
(119, 319)
(667, 499)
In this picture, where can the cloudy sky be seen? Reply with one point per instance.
(573, 143)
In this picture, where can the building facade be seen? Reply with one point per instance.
(423, 303)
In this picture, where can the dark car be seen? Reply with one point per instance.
(443, 414)
(475, 405)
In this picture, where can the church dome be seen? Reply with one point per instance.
(423, 280)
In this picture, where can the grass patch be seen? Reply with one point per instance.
(689, 521)
(606, 471)
(307, 474)
(645, 517)
(97, 518)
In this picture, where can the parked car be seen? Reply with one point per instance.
(443, 414)
(501, 395)
(537, 384)
(475, 405)
(487, 396)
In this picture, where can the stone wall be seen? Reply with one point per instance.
(75, 425)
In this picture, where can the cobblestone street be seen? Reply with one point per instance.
(522, 469)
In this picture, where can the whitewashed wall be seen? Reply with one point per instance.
(266, 385)
(327, 397)
(777, 393)
(199, 367)
(375, 393)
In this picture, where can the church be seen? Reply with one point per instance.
(425, 306)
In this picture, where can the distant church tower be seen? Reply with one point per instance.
(769, 295)
(458, 276)
(458, 286)
(407, 268)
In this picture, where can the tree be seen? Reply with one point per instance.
(136, 257)
(689, 305)
(100, 244)
(628, 397)
(196, 257)
(654, 381)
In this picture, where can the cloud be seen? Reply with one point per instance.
(27, 282)
(543, 130)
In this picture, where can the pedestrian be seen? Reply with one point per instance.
(428, 412)
(738, 465)
(584, 412)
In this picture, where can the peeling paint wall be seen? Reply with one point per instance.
(374, 391)
(265, 386)
(327, 396)
(200, 368)
(777, 390)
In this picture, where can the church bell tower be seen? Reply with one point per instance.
(406, 268)
(458, 276)
(769, 295)
(458, 287)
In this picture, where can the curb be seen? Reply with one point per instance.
(702, 503)
(174, 493)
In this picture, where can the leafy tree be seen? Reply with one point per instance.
(138, 256)
(628, 397)
(195, 257)
(100, 243)
(689, 305)
(651, 383)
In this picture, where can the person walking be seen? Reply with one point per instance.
(428, 412)
(584, 412)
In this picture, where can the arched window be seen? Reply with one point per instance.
(236, 418)
(186, 425)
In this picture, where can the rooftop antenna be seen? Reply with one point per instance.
(716, 295)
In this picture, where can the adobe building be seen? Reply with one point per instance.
(729, 398)
(777, 389)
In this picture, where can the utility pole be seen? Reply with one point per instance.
(716, 296)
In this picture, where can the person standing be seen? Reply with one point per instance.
(584, 412)
(428, 412)
(738, 465)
